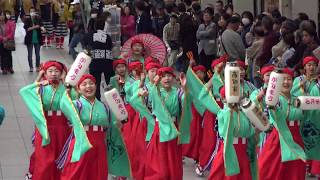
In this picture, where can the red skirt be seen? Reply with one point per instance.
(269, 162)
(315, 167)
(209, 140)
(43, 160)
(218, 169)
(191, 150)
(127, 128)
(93, 164)
(163, 159)
(138, 145)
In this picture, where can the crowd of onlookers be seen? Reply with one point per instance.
(208, 31)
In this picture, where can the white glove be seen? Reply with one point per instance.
(168, 50)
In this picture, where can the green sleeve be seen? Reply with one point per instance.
(114, 83)
(32, 98)
(82, 143)
(290, 150)
(167, 128)
(200, 91)
(217, 83)
(199, 107)
(297, 89)
(185, 118)
(137, 103)
(74, 94)
(230, 156)
(118, 161)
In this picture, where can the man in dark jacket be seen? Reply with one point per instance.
(144, 22)
(100, 45)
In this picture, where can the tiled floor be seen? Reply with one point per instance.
(15, 132)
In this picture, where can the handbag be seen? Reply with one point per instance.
(9, 45)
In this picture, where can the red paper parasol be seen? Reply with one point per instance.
(153, 46)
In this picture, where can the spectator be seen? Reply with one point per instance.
(287, 27)
(188, 31)
(277, 24)
(252, 53)
(218, 11)
(33, 38)
(231, 40)
(247, 20)
(296, 59)
(207, 34)
(92, 20)
(46, 18)
(127, 24)
(171, 39)
(78, 29)
(270, 40)
(100, 44)
(196, 13)
(159, 21)
(61, 13)
(276, 14)
(7, 29)
(301, 17)
(309, 38)
(144, 23)
(229, 9)
(222, 26)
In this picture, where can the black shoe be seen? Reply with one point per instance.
(4, 72)
(11, 71)
(31, 70)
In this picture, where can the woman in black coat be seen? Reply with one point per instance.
(33, 38)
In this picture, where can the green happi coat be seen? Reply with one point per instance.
(301, 86)
(82, 112)
(38, 99)
(310, 127)
(227, 125)
(170, 105)
(143, 105)
(283, 112)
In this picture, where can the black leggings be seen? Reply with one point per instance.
(6, 58)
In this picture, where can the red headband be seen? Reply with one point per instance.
(266, 69)
(117, 62)
(308, 59)
(136, 41)
(84, 77)
(135, 65)
(152, 65)
(164, 70)
(216, 62)
(150, 59)
(222, 92)
(288, 71)
(241, 64)
(49, 64)
(199, 68)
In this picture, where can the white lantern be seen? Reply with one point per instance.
(274, 88)
(232, 82)
(308, 102)
(255, 115)
(78, 68)
(116, 104)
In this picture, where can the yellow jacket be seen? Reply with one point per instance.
(8, 5)
(62, 12)
(27, 4)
